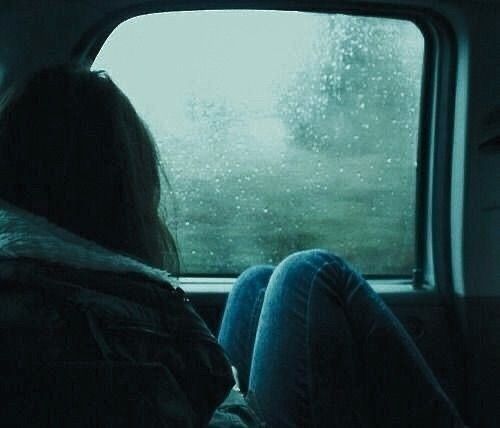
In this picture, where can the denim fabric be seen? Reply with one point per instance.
(316, 346)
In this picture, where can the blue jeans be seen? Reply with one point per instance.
(316, 346)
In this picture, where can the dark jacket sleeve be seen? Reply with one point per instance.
(205, 372)
(236, 411)
(140, 321)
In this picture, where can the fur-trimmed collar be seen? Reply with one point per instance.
(23, 234)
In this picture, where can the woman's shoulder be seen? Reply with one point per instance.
(127, 285)
(137, 318)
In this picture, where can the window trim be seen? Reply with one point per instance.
(442, 75)
(397, 291)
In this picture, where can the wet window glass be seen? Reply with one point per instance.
(279, 131)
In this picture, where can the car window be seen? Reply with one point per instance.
(279, 131)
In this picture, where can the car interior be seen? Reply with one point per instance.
(370, 128)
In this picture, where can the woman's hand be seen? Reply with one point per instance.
(236, 387)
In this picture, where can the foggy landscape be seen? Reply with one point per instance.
(279, 131)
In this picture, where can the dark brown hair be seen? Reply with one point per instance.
(74, 150)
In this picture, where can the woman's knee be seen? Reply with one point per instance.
(243, 300)
(252, 280)
(309, 269)
(313, 255)
(310, 262)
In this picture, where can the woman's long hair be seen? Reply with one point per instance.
(74, 150)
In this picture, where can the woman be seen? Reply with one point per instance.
(311, 341)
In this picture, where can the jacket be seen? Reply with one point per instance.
(117, 309)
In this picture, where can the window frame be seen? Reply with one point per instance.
(432, 267)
